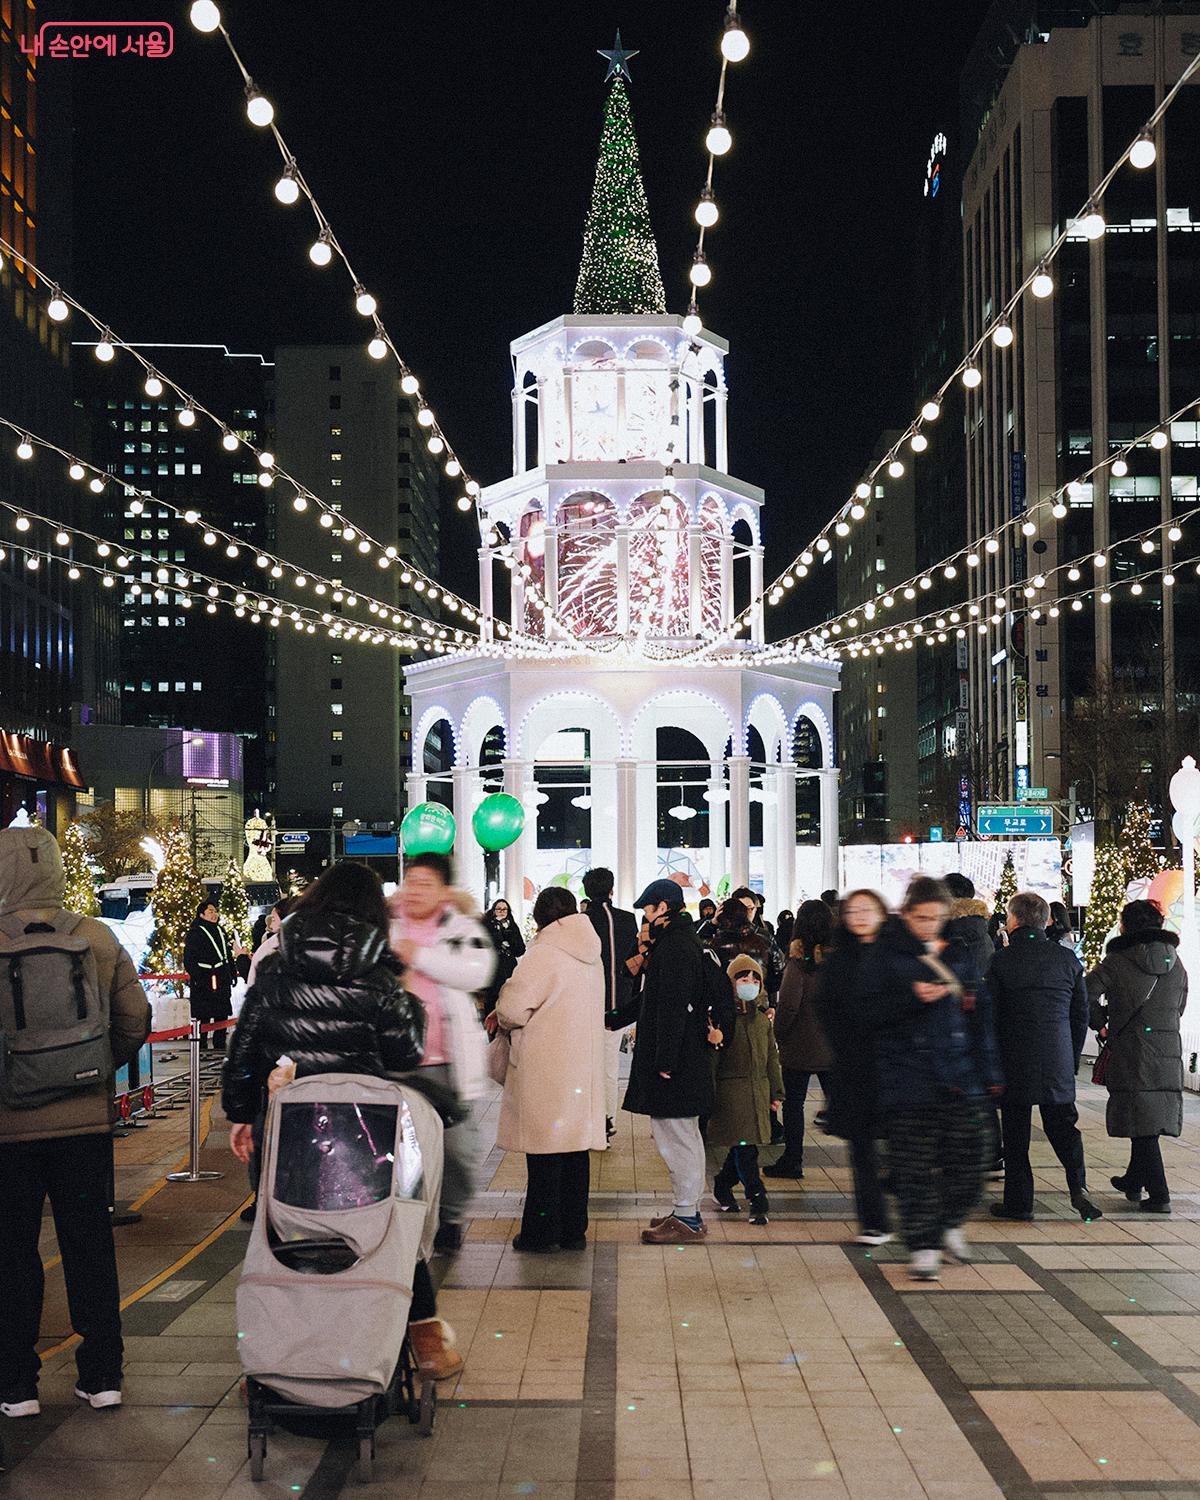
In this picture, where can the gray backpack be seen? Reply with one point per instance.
(53, 1019)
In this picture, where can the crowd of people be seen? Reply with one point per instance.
(931, 1033)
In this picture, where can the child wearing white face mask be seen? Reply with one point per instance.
(749, 1086)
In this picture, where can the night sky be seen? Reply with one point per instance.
(453, 145)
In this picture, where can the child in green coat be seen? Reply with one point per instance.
(749, 1086)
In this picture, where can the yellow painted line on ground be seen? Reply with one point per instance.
(155, 1281)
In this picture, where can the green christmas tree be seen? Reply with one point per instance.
(79, 892)
(619, 272)
(235, 905)
(178, 892)
(1007, 888)
(1110, 878)
(1141, 858)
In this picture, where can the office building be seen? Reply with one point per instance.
(344, 429)
(877, 705)
(179, 665)
(51, 647)
(1108, 357)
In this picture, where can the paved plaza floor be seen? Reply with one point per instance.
(774, 1363)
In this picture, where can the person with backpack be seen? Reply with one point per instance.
(72, 1011)
(670, 1078)
(618, 934)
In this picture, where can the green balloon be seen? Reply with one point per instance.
(498, 821)
(428, 828)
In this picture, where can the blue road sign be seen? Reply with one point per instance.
(935, 835)
(1016, 822)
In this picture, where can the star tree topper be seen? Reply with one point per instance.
(618, 59)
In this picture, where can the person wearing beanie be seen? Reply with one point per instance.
(749, 1087)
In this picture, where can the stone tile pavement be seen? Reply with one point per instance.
(774, 1363)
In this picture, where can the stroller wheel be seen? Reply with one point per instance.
(366, 1458)
(428, 1407)
(258, 1453)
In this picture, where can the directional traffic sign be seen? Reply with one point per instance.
(292, 840)
(935, 835)
(1016, 822)
(1034, 794)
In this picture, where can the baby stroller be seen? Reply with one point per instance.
(352, 1169)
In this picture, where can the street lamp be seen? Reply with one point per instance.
(195, 741)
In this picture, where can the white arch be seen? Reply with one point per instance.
(592, 338)
(749, 514)
(814, 711)
(766, 714)
(482, 715)
(681, 708)
(425, 723)
(572, 708)
(647, 338)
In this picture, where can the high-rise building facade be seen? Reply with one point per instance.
(344, 429)
(179, 665)
(877, 705)
(47, 642)
(1111, 355)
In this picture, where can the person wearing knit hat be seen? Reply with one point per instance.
(749, 1087)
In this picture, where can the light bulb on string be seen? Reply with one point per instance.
(204, 15)
(1135, 588)
(1058, 510)
(377, 348)
(735, 44)
(287, 189)
(1168, 580)
(76, 471)
(1143, 153)
(991, 545)
(693, 325)
(1042, 285)
(1159, 440)
(229, 441)
(863, 490)
(1092, 221)
(104, 350)
(56, 309)
(96, 485)
(425, 417)
(1073, 575)
(186, 417)
(857, 512)
(153, 386)
(1002, 334)
(409, 383)
(701, 272)
(1028, 528)
(364, 303)
(918, 442)
(1147, 546)
(1175, 534)
(25, 449)
(259, 109)
(718, 140)
(931, 411)
(895, 468)
(707, 212)
(971, 377)
(453, 468)
(320, 252)
(1119, 467)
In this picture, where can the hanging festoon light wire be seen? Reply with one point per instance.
(1000, 332)
(735, 47)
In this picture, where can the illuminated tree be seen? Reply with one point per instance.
(1007, 888)
(178, 892)
(235, 905)
(79, 892)
(1110, 879)
(1141, 859)
(619, 271)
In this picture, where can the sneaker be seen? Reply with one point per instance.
(433, 1346)
(247, 1214)
(954, 1242)
(1000, 1212)
(1162, 1206)
(21, 1403)
(609, 1128)
(1085, 1208)
(783, 1168)
(1122, 1185)
(726, 1202)
(108, 1393)
(925, 1265)
(448, 1239)
(673, 1231)
(872, 1237)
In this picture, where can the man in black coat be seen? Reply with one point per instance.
(670, 1078)
(618, 934)
(1041, 1017)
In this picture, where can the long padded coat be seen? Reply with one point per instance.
(1145, 1068)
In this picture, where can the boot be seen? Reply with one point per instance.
(759, 1208)
(723, 1193)
(433, 1345)
(784, 1168)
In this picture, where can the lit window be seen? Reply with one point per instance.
(338, 812)
(335, 458)
(335, 432)
(164, 687)
(196, 686)
(336, 483)
(181, 687)
(335, 659)
(336, 736)
(335, 708)
(338, 786)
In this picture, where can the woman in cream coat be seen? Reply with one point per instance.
(553, 1106)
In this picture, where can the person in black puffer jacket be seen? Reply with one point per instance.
(330, 1000)
(733, 935)
(937, 1062)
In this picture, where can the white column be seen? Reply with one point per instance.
(722, 457)
(468, 856)
(626, 871)
(739, 820)
(756, 588)
(514, 855)
(716, 825)
(622, 578)
(518, 404)
(551, 535)
(770, 839)
(695, 420)
(830, 873)
(487, 605)
(695, 594)
(726, 581)
(518, 601)
(785, 819)
(418, 788)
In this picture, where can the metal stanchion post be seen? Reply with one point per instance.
(193, 1174)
